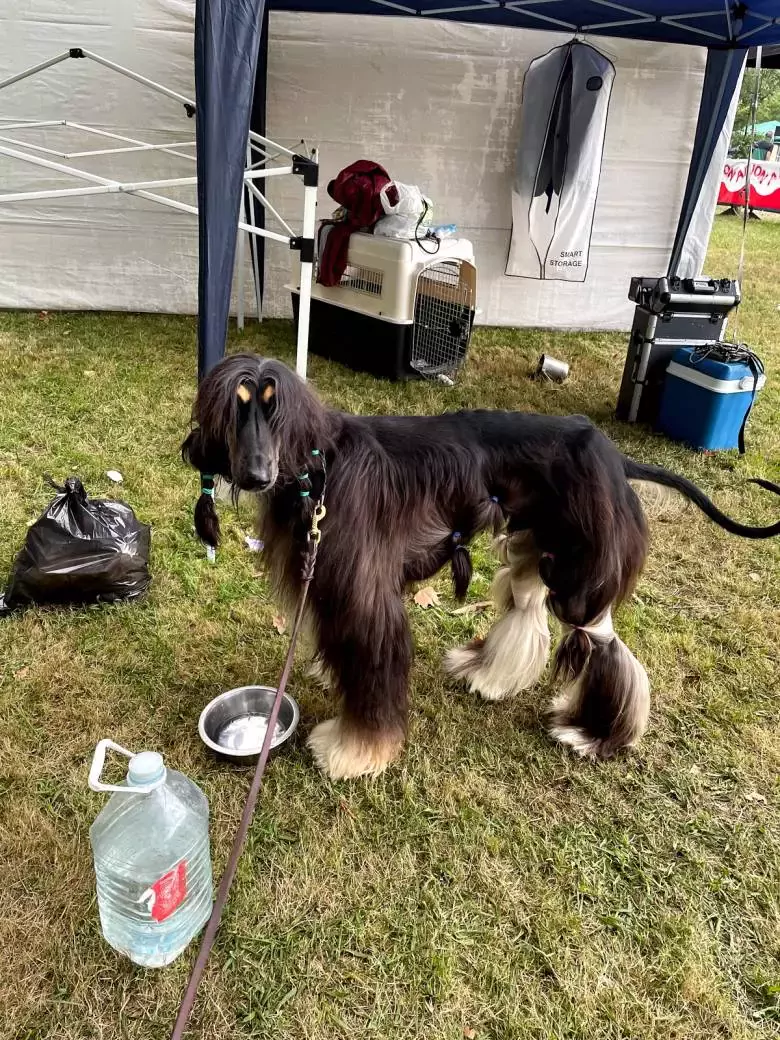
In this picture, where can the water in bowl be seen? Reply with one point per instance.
(246, 732)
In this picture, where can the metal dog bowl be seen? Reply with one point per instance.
(234, 724)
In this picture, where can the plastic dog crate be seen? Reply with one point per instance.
(400, 312)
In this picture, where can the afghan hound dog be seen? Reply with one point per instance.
(404, 497)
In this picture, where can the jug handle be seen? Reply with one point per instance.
(98, 761)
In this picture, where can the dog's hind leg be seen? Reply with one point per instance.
(604, 703)
(514, 653)
(369, 657)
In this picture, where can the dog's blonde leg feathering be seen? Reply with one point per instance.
(342, 751)
(513, 655)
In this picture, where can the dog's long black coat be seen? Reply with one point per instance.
(404, 497)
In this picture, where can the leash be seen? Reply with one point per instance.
(313, 537)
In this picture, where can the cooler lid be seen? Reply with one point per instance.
(725, 370)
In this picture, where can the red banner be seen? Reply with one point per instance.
(764, 184)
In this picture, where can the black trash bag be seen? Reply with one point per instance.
(80, 551)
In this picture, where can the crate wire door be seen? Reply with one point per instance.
(362, 280)
(444, 303)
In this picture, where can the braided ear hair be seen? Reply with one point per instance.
(205, 455)
(206, 517)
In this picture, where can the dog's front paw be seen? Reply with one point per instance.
(341, 751)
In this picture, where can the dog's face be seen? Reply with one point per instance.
(235, 438)
(570, 598)
(254, 454)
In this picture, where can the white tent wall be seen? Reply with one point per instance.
(109, 251)
(437, 103)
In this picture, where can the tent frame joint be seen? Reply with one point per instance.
(307, 168)
(304, 246)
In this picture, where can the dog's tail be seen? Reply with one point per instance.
(659, 475)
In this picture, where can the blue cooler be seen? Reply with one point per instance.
(704, 402)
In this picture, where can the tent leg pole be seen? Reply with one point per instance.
(240, 261)
(699, 166)
(304, 310)
(254, 245)
(307, 266)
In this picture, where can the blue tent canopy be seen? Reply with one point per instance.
(229, 36)
(709, 23)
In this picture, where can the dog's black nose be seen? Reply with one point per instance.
(257, 479)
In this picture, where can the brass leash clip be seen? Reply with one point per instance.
(314, 533)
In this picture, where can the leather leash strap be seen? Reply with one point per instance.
(309, 558)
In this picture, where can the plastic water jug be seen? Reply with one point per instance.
(151, 850)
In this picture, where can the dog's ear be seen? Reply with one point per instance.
(191, 452)
(207, 520)
(200, 454)
(205, 455)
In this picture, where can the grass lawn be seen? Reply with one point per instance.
(489, 885)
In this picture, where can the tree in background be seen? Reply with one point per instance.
(768, 108)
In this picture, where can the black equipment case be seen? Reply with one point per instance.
(670, 313)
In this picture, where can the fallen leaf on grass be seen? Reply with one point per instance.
(472, 608)
(754, 796)
(22, 673)
(469, 1033)
(280, 623)
(427, 597)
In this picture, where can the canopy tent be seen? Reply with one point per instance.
(666, 21)
(229, 38)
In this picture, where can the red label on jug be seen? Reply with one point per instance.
(169, 892)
